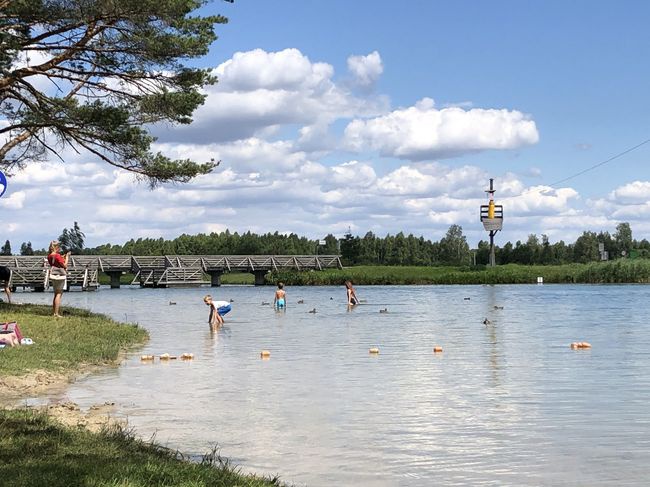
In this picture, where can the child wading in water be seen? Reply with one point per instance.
(279, 301)
(217, 310)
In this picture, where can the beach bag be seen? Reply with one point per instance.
(57, 273)
(12, 326)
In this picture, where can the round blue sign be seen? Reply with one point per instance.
(3, 184)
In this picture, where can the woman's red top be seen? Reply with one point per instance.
(55, 260)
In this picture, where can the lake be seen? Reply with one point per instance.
(507, 403)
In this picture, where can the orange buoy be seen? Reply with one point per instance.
(146, 358)
(437, 349)
(578, 345)
(265, 354)
(374, 351)
(187, 356)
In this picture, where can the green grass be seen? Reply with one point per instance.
(619, 271)
(36, 451)
(238, 278)
(63, 344)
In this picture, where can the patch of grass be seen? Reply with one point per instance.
(61, 344)
(37, 451)
(619, 271)
(125, 279)
(238, 278)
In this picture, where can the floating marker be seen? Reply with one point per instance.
(577, 345)
(166, 356)
(145, 358)
(187, 356)
(437, 349)
(265, 354)
(373, 351)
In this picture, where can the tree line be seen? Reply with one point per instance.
(399, 249)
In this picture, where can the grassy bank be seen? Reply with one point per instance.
(80, 338)
(619, 271)
(38, 451)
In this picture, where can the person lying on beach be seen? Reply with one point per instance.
(217, 310)
(9, 338)
(279, 301)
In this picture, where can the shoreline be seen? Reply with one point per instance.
(64, 351)
(105, 450)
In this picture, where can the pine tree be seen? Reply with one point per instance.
(6, 248)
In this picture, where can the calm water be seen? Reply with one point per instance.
(505, 404)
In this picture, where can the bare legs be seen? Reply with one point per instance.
(56, 302)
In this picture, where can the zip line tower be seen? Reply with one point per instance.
(492, 219)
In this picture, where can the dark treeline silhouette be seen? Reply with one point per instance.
(371, 249)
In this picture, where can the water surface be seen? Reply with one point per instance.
(508, 403)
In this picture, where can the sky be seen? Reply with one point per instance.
(383, 116)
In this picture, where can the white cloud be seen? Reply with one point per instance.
(632, 193)
(366, 69)
(424, 132)
(13, 201)
(260, 91)
(540, 201)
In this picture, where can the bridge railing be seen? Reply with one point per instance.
(161, 270)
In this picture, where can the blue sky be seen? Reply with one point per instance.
(579, 68)
(390, 116)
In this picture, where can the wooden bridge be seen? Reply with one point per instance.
(159, 271)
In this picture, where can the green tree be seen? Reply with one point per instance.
(546, 253)
(65, 241)
(453, 247)
(483, 252)
(6, 248)
(26, 249)
(78, 239)
(114, 68)
(623, 237)
(586, 248)
(350, 248)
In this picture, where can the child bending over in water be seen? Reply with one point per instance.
(279, 301)
(352, 295)
(217, 310)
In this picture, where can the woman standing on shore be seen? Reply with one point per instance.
(58, 273)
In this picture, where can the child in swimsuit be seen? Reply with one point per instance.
(279, 301)
(217, 310)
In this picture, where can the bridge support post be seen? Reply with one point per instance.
(259, 277)
(115, 278)
(215, 278)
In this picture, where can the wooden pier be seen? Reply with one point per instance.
(159, 271)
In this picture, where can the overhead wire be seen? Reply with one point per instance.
(580, 173)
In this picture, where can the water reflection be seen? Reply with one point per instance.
(504, 404)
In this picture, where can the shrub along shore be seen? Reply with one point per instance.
(37, 450)
(618, 271)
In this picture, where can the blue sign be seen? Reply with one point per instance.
(3, 184)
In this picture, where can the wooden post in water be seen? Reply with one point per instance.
(215, 278)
